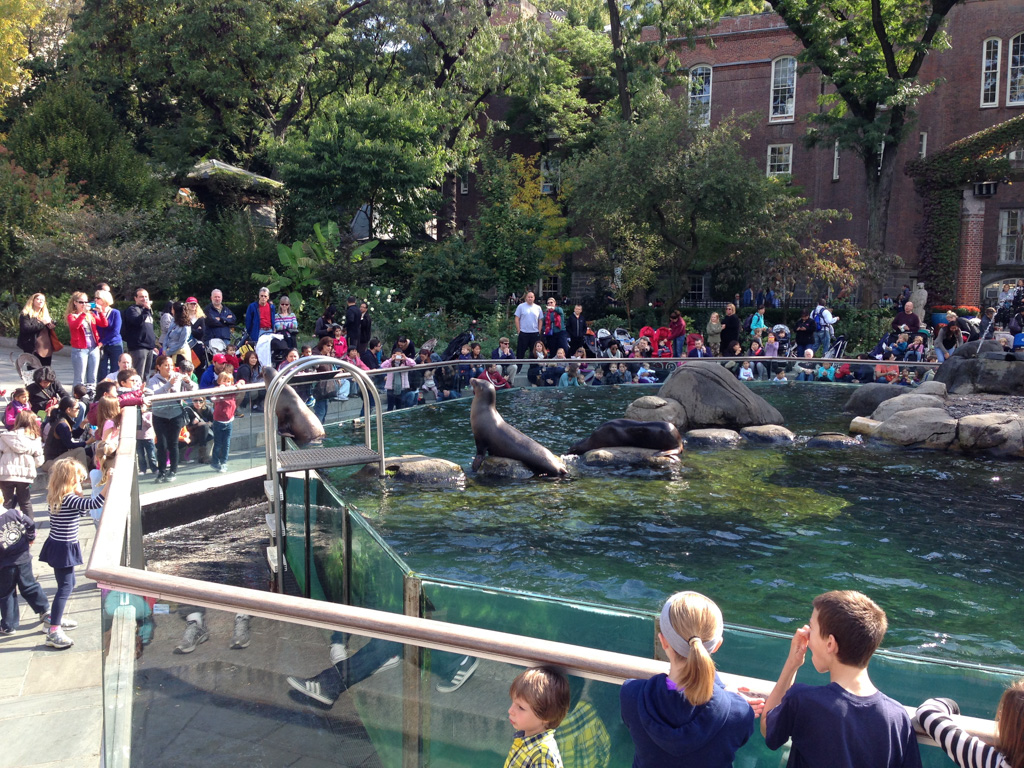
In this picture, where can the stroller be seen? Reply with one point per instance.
(785, 338)
(838, 348)
(272, 349)
(451, 352)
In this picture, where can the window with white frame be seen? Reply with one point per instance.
(922, 144)
(696, 293)
(549, 169)
(835, 162)
(1015, 72)
(990, 56)
(783, 89)
(1011, 236)
(551, 285)
(464, 184)
(700, 93)
(780, 159)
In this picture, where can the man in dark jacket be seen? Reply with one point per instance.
(352, 317)
(219, 319)
(138, 334)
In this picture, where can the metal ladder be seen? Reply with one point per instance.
(280, 462)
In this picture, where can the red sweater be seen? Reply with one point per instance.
(78, 325)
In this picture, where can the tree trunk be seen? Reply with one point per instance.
(619, 58)
(880, 177)
(447, 221)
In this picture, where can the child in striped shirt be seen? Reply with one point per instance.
(969, 751)
(62, 550)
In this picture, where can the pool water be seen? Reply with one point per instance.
(935, 539)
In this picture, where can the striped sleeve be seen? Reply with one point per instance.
(80, 504)
(965, 750)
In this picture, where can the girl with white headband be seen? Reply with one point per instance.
(687, 718)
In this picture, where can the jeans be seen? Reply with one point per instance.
(221, 443)
(167, 441)
(85, 363)
(823, 340)
(142, 362)
(679, 346)
(17, 494)
(65, 586)
(146, 451)
(320, 409)
(20, 576)
(394, 399)
(410, 398)
(108, 359)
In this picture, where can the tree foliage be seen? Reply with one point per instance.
(15, 17)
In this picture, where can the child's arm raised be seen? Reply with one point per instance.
(797, 652)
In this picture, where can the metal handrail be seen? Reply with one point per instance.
(114, 534)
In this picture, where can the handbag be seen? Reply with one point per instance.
(55, 343)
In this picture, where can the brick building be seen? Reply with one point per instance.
(751, 67)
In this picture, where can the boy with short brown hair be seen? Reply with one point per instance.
(540, 701)
(848, 722)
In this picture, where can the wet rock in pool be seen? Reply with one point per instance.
(509, 469)
(627, 457)
(767, 434)
(712, 438)
(832, 440)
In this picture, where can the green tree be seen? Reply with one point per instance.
(380, 152)
(871, 53)
(69, 127)
(15, 17)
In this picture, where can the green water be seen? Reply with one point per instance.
(935, 539)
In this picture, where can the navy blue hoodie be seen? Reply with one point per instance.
(17, 532)
(669, 731)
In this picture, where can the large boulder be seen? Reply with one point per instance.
(654, 408)
(932, 387)
(971, 370)
(710, 396)
(712, 438)
(629, 457)
(768, 434)
(505, 469)
(931, 428)
(867, 397)
(1001, 434)
(905, 402)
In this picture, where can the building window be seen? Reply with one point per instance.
(1015, 75)
(464, 184)
(990, 72)
(551, 286)
(922, 144)
(700, 93)
(835, 162)
(780, 159)
(549, 169)
(696, 294)
(1011, 236)
(783, 89)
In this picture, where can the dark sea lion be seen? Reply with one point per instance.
(497, 437)
(294, 418)
(626, 433)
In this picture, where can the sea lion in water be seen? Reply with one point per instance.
(626, 433)
(497, 437)
(294, 419)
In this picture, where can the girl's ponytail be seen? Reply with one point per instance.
(692, 626)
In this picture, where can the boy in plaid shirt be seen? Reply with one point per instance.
(540, 701)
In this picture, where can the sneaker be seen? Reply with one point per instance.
(169, 477)
(311, 688)
(65, 623)
(6, 631)
(240, 639)
(195, 633)
(394, 661)
(467, 666)
(160, 478)
(339, 652)
(56, 638)
(215, 467)
(222, 469)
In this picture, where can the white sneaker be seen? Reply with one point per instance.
(311, 688)
(56, 638)
(65, 623)
(240, 638)
(339, 652)
(465, 671)
(394, 661)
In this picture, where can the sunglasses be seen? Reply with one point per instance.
(79, 301)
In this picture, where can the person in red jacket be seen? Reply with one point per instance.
(83, 320)
(677, 333)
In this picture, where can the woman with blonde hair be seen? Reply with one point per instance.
(687, 717)
(112, 345)
(84, 321)
(34, 326)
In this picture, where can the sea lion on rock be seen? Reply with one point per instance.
(294, 418)
(626, 433)
(497, 437)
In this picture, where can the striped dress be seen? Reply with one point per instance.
(62, 548)
(965, 750)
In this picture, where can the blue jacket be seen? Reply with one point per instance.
(17, 532)
(218, 324)
(112, 333)
(669, 731)
(252, 319)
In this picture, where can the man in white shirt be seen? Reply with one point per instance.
(824, 320)
(528, 316)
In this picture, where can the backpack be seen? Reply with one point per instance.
(819, 321)
(748, 323)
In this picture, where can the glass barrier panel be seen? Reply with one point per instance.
(186, 685)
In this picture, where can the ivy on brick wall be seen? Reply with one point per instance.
(939, 180)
